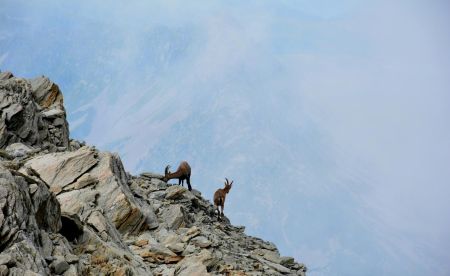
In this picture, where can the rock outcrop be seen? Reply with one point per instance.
(32, 113)
(69, 209)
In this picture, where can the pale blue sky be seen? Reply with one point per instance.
(332, 117)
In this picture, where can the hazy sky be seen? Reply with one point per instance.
(332, 116)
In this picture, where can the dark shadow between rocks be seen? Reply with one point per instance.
(71, 228)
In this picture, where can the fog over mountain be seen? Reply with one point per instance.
(332, 118)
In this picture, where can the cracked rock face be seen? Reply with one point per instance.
(32, 112)
(69, 209)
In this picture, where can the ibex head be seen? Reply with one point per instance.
(228, 185)
(166, 172)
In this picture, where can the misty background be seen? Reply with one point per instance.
(332, 118)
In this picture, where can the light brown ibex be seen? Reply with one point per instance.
(220, 195)
(183, 172)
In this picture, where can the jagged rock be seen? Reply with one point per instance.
(176, 247)
(170, 237)
(160, 250)
(120, 206)
(141, 243)
(47, 244)
(151, 220)
(287, 261)
(194, 264)
(98, 221)
(174, 216)
(68, 171)
(157, 195)
(164, 270)
(175, 192)
(42, 210)
(157, 258)
(123, 271)
(5, 155)
(46, 93)
(190, 233)
(151, 175)
(201, 242)
(149, 236)
(6, 75)
(59, 265)
(196, 193)
(19, 150)
(54, 113)
(61, 169)
(270, 255)
(6, 259)
(76, 201)
(72, 271)
(268, 246)
(84, 181)
(22, 105)
(4, 270)
(277, 267)
(75, 145)
(71, 258)
(33, 188)
(69, 209)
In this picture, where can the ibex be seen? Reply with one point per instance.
(220, 195)
(183, 172)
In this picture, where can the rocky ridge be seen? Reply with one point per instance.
(68, 209)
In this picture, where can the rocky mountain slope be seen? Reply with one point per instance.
(69, 209)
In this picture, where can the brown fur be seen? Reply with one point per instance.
(183, 172)
(220, 195)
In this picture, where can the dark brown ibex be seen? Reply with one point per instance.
(220, 195)
(183, 172)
